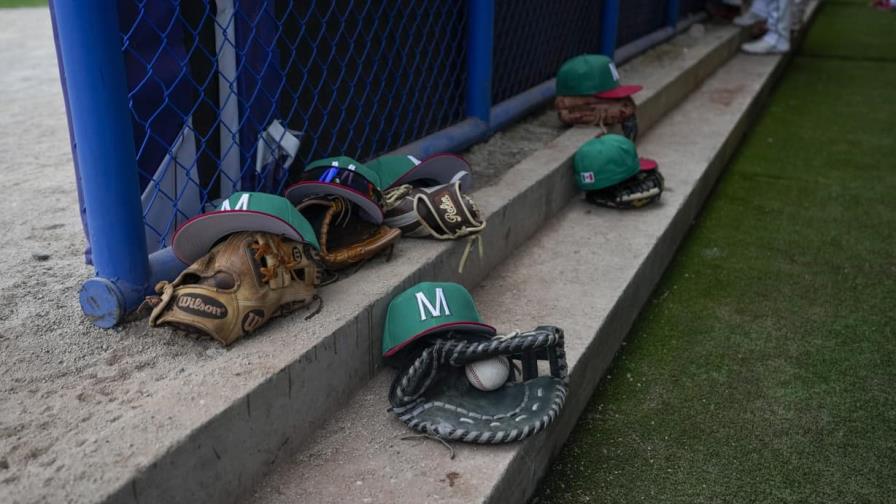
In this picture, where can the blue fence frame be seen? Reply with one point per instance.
(507, 74)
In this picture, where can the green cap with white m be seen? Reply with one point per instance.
(430, 308)
(592, 75)
(242, 211)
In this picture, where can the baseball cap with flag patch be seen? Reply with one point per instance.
(242, 211)
(430, 308)
(438, 169)
(607, 160)
(592, 75)
(341, 176)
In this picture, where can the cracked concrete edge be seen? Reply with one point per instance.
(254, 425)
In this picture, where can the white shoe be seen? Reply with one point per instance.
(748, 19)
(764, 46)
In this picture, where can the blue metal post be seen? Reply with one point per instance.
(90, 48)
(672, 12)
(480, 42)
(609, 27)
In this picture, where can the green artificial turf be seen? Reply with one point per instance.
(852, 30)
(4, 4)
(764, 367)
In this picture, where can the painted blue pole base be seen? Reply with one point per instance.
(106, 303)
(102, 302)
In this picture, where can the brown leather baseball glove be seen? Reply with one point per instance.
(442, 212)
(602, 112)
(345, 238)
(239, 285)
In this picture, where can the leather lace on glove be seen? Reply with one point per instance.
(345, 238)
(602, 112)
(442, 212)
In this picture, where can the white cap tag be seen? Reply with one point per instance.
(588, 177)
(614, 71)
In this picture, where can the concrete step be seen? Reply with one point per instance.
(212, 427)
(589, 271)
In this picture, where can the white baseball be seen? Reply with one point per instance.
(488, 374)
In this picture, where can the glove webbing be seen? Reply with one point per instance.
(480, 437)
(420, 375)
(647, 186)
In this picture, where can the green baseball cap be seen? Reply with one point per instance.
(438, 169)
(242, 211)
(591, 75)
(430, 308)
(607, 160)
(341, 176)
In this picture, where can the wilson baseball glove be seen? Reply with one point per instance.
(442, 212)
(603, 112)
(345, 238)
(239, 285)
(432, 394)
(635, 192)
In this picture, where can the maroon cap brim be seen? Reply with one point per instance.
(194, 238)
(474, 327)
(648, 164)
(620, 92)
(442, 168)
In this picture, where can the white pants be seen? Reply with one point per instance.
(777, 15)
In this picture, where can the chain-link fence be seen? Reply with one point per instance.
(533, 38)
(223, 95)
(230, 95)
(638, 18)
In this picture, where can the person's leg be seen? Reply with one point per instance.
(777, 39)
(760, 8)
(758, 12)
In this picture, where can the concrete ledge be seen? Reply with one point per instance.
(207, 427)
(266, 416)
(589, 271)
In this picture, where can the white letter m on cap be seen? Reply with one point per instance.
(433, 311)
(241, 204)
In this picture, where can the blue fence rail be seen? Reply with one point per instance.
(173, 105)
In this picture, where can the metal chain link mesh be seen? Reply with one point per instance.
(207, 79)
(219, 90)
(638, 18)
(533, 38)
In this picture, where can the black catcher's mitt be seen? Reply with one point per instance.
(432, 394)
(635, 192)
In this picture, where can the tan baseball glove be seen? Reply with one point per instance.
(239, 285)
(442, 212)
(345, 238)
(601, 112)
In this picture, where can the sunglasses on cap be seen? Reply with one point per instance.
(343, 177)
